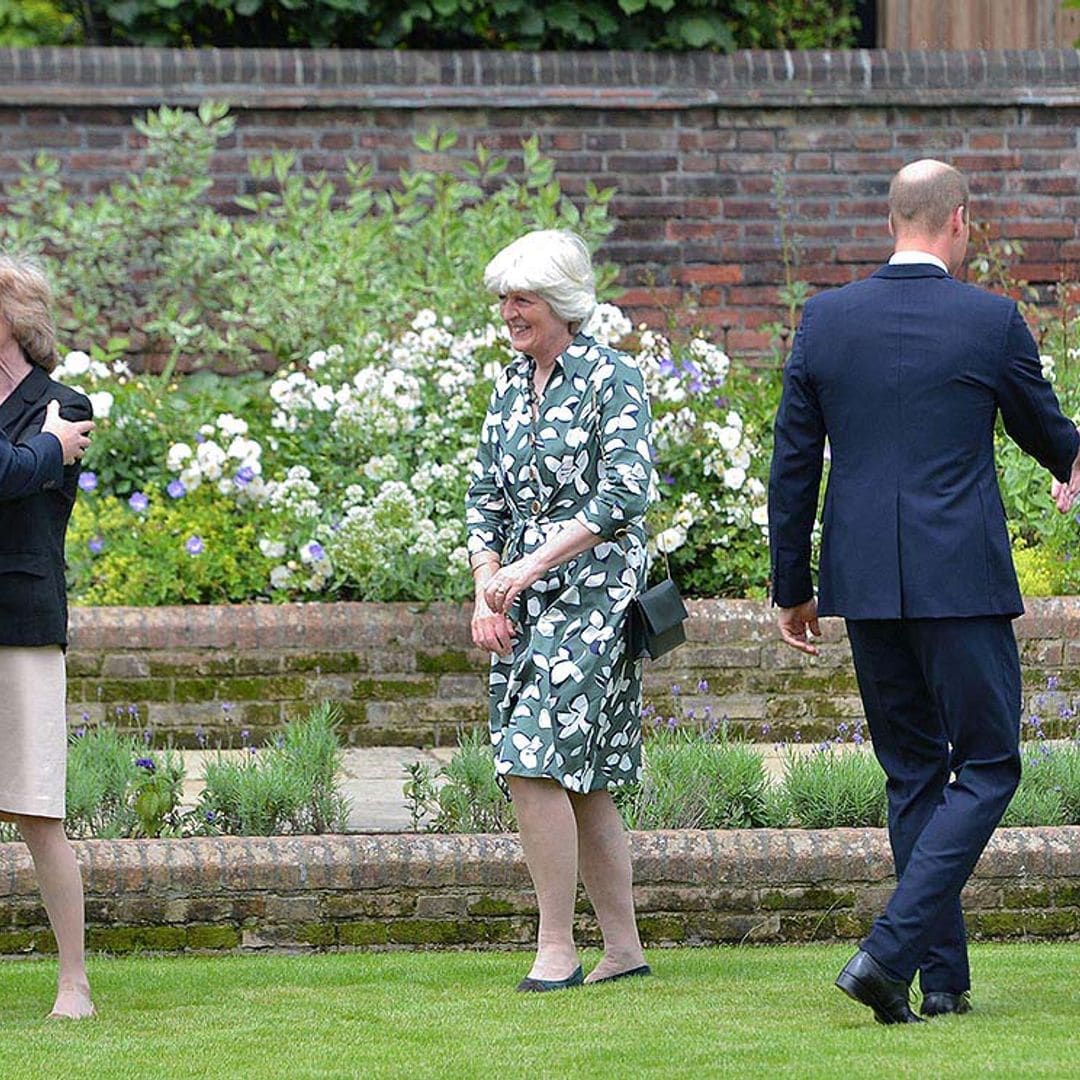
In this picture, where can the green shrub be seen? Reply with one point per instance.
(453, 24)
(118, 787)
(698, 781)
(829, 788)
(462, 795)
(287, 786)
(1049, 791)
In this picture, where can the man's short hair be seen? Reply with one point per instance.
(923, 195)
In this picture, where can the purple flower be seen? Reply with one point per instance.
(176, 489)
(244, 736)
(668, 479)
(194, 545)
(1052, 683)
(200, 735)
(316, 551)
(96, 544)
(244, 475)
(145, 763)
(667, 366)
(857, 738)
(87, 481)
(765, 729)
(138, 502)
(147, 735)
(703, 686)
(80, 731)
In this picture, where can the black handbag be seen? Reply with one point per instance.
(655, 621)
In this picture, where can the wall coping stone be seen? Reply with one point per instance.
(313, 626)
(427, 890)
(350, 79)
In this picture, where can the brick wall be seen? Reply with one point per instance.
(406, 674)
(412, 891)
(693, 142)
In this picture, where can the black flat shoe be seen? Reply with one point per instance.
(940, 1003)
(629, 974)
(864, 980)
(542, 986)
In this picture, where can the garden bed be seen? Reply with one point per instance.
(427, 891)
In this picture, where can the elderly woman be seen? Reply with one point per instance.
(33, 616)
(557, 547)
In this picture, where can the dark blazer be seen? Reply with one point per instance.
(33, 592)
(905, 373)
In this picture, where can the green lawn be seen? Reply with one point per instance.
(745, 1012)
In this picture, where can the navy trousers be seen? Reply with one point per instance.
(941, 696)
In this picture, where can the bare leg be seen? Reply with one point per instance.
(61, 889)
(604, 864)
(549, 838)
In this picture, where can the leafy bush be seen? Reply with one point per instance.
(25, 23)
(569, 24)
(1049, 791)
(461, 796)
(118, 787)
(343, 474)
(287, 786)
(692, 781)
(830, 788)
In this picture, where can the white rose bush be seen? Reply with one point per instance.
(343, 476)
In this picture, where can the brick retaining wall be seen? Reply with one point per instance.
(693, 142)
(419, 891)
(407, 674)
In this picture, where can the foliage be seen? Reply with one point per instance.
(287, 786)
(117, 786)
(342, 475)
(26, 23)
(456, 24)
(698, 781)
(831, 788)
(462, 795)
(1046, 543)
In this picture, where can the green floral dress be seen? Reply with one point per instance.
(566, 704)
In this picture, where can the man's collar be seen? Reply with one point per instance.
(911, 258)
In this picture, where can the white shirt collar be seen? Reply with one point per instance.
(908, 258)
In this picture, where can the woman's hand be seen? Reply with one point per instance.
(507, 583)
(491, 630)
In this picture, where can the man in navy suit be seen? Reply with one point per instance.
(905, 373)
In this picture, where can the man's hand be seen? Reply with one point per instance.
(795, 621)
(1065, 494)
(74, 435)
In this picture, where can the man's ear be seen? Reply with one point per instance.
(892, 230)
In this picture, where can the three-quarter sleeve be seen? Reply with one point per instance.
(625, 449)
(486, 511)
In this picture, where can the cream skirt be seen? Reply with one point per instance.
(33, 730)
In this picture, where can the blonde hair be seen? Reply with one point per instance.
(553, 263)
(25, 302)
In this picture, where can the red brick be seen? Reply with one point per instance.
(713, 275)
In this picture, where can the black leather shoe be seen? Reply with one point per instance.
(864, 980)
(541, 986)
(939, 1003)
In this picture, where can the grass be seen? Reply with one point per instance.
(717, 1012)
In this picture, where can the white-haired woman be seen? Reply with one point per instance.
(557, 545)
(33, 616)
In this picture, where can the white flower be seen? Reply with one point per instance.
(671, 539)
(728, 437)
(684, 517)
(272, 549)
(734, 478)
(210, 458)
(232, 425)
(280, 577)
(317, 359)
(178, 454)
(760, 515)
(76, 363)
(1047, 362)
(101, 402)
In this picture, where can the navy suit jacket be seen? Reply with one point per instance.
(905, 373)
(33, 590)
